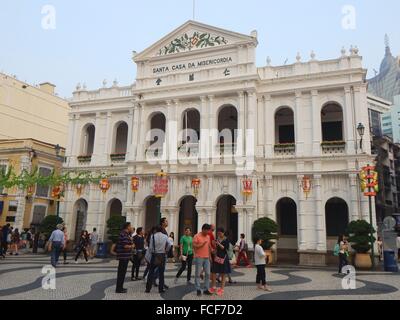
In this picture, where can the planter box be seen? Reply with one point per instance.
(85, 158)
(118, 157)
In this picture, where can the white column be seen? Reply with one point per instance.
(249, 225)
(242, 112)
(135, 133)
(251, 121)
(361, 105)
(299, 119)
(260, 123)
(349, 124)
(71, 138)
(316, 123)
(260, 198)
(76, 145)
(25, 164)
(354, 214)
(142, 144)
(302, 227)
(130, 133)
(108, 143)
(269, 123)
(319, 214)
(269, 198)
(241, 221)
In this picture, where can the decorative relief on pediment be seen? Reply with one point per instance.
(191, 41)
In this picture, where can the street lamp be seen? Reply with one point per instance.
(361, 132)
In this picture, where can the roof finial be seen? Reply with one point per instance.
(387, 42)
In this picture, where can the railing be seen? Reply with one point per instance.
(285, 149)
(118, 157)
(226, 148)
(85, 159)
(333, 147)
(189, 150)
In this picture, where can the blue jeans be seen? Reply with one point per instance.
(202, 263)
(56, 247)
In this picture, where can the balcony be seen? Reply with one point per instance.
(227, 149)
(285, 149)
(189, 150)
(333, 147)
(85, 159)
(118, 157)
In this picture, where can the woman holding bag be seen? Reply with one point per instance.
(220, 263)
(186, 257)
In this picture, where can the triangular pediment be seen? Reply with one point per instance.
(193, 36)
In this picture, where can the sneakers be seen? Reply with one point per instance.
(199, 293)
(76, 261)
(208, 293)
(212, 290)
(220, 292)
(268, 289)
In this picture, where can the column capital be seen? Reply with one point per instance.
(211, 97)
(267, 97)
(168, 102)
(203, 98)
(298, 94)
(241, 94)
(347, 89)
(314, 93)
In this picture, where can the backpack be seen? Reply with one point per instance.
(336, 250)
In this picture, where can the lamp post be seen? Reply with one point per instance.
(361, 132)
(58, 151)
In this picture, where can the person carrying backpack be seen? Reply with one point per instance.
(243, 248)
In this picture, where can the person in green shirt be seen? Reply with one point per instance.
(186, 250)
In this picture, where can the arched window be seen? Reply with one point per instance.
(88, 140)
(227, 128)
(284, 126)
(121, 139)
(332, 122)
(336, 217)
(115, 208)
(286, 212)
(157, 133)
(190, 132)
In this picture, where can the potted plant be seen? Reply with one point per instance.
(114, 226)
(267, 230)
(360, 239)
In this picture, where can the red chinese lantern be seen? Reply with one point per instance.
(104, 185)
(57, 191)
(160, 188)
(30, 190)
(196, 186)
(306, 185)
(247, 186)
(135, 184)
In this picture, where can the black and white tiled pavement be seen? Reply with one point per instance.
(21, 279)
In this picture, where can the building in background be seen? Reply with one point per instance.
(377, 107)
(388, 167)
(391, 121)
(32, 112)
(386, 84)
(23, 208)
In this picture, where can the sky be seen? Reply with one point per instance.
(88, 41)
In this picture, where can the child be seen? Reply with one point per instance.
(259, 257)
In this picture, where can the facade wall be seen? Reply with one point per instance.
(257, 94)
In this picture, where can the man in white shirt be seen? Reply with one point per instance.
(56, 244)
(94, 239)
(158, 247)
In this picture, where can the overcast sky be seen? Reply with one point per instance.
(92, 40)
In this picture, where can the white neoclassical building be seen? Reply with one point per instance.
(273, 124)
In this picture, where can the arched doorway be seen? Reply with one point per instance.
(227, 217)
(286, 214)
(80, 209)
(336, 217)
(114, 208)
(188, 215)
(151, 214)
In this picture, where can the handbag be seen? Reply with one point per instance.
(183, 258)
(219, 260)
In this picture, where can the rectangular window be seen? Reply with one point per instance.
(39, 212)
(13, 206)
(10, 219)
(43, 191)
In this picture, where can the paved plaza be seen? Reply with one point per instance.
(21, 279)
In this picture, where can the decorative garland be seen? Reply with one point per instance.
(26, 179)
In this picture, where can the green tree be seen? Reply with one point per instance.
(114, 225)
(359, 235)
(49, 224)
(267, 230)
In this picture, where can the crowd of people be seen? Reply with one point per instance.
(210, 251)
(12, 240)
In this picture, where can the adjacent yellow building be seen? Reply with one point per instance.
(18, 207)
(32, 112)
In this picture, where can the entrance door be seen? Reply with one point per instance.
(188, 215)
(227, 217)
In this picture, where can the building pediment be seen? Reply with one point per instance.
(192, 37)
